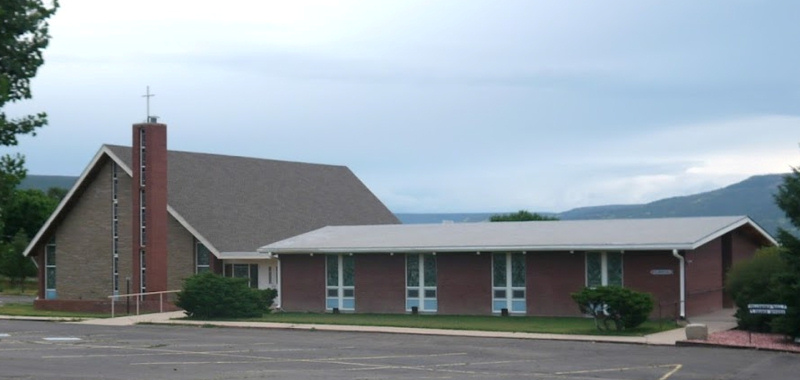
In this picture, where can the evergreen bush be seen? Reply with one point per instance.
(626, 308)
(754, 281)
(209, 296)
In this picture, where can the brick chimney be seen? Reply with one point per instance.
(149, 193)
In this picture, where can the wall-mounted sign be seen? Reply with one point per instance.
(661, 272)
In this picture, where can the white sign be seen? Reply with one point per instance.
(661, 272)
(766, 308)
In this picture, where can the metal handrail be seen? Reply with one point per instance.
(160, 299)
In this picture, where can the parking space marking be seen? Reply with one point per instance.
(675, 368)
(62, 339)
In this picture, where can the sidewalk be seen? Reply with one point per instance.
(719, 321)
(664, 338)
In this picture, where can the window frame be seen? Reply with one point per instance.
(50, 267)
(345, 295)
(199, 249)
(514, 297)
(423, 301)
(604, 274)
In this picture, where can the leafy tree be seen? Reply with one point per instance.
(27, 211)
(521, 216)
(13, 264)
(23, 37)
(787, 284)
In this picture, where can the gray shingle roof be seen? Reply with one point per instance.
(609, 234)
(238, 203)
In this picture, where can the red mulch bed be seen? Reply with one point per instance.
(762, 341)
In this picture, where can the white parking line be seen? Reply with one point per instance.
(62, 339)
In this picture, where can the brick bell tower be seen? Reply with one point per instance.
(149, 200)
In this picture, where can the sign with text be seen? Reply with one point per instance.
(661, 272)
(767, 308)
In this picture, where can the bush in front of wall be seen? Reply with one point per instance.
(210, 296)
(623, 307)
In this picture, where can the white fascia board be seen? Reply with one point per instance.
(70, 194)
(638, 247)
(722, 231)
(193, 231)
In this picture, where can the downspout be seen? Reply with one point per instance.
(682, 265)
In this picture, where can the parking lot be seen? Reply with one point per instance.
(43, 350)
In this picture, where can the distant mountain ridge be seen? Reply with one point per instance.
(753, 197)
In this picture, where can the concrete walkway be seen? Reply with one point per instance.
(722, 320)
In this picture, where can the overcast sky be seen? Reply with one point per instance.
(439, 106)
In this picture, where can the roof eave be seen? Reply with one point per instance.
(550, 248)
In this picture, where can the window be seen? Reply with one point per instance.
(603, 269)
(142, 157)
(340, 282)
(421, 282)
(142, 271)
(202, 258)
(508, 282)
(50, 269)
(114, 229)
(248, 271)
(142, 219)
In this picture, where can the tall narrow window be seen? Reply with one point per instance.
(340, 282)
(142, 219)
(508, 282)
(421, 282)
(142, 157)
(50, 269)
(202, 258)
(603, 269)
(114, 229)
(143, 271)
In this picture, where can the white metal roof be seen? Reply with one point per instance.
(607, 234)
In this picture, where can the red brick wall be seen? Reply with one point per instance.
(551, 277)
(664, 288)
(743, 246)
(464, 283)
(303, 283)
(704, 278)
(380, 283)
(156, 206)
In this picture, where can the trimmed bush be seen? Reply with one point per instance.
(624, 307)
(753, 281)
(209, 296)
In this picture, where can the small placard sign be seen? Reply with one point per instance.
(765, 308)
(661, 272)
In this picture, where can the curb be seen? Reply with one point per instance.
(691, 343)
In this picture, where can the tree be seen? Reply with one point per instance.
(13, 264)
(23, 36)
(787, 284)
(751, 281)
(27, 211)
(521, 216)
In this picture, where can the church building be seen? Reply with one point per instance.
(140, 219)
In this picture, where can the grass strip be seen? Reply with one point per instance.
(544, 325)
(27, 310)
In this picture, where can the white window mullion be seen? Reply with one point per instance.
(604, 269)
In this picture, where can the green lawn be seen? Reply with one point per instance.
(550, 325)
(27, 310)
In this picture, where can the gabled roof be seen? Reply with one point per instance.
(236, 204)
(578, 235)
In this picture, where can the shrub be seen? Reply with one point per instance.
(268, 297)
(625, 307)
(753, 281)
(208, 296)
